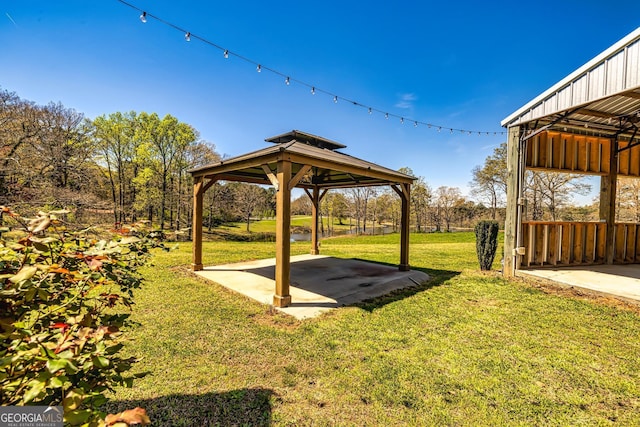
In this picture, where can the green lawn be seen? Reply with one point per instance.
(269, 225)
(466, 348)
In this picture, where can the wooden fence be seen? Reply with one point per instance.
(577, 243)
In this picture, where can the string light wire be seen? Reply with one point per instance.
(144, 16)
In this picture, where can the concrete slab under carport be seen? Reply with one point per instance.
(319, 283)
(613, 280)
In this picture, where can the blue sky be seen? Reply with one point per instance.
(463, 65)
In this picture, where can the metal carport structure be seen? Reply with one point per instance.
(587, 123)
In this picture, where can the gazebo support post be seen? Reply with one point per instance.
(315, 208)
(198, 193)
(405, 195)
(316, 197)
(282, 298)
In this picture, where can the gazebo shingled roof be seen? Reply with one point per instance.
(301, 160)
(332, 169)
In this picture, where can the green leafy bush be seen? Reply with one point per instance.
(486, 243)
(61, 317)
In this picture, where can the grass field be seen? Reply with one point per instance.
(466, 348)
(269, 225)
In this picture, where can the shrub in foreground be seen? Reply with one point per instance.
(62, 297)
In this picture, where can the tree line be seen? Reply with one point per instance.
(128, 166)
(118, 168)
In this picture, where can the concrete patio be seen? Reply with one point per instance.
(318, 283)
(612, 280)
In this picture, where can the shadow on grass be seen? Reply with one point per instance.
(436, 278)
(249, 406)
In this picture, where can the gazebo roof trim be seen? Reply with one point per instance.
(604, 89)
(345, 170)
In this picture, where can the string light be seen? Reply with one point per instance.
(187, 35)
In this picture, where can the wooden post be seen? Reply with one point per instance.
(605, 192)
(282, 298)
(315, 207)
(404, 227)
(198, 193)
(609, 208)
(512, 217)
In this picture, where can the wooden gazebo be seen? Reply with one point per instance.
(306, 161)
(585, 124)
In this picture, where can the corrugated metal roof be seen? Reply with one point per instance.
(332, 169)
(603, 94)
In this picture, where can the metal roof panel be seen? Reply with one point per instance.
(612, 72)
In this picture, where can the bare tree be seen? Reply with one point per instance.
(628, 199)
(490, 181)
(557, 189)
(360, 199)
(446, 200)
(248, 198)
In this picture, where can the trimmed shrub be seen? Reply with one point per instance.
(486, 243)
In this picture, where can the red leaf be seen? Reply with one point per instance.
(60, 325)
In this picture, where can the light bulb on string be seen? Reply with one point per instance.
(187, 35)
(451, 131)
(287, 81)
